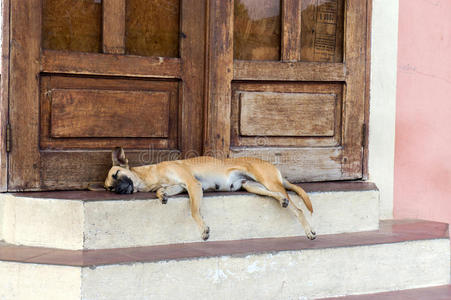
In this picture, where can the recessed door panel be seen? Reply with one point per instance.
(87, 113)
(286, 114)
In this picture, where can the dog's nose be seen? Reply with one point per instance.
(124, 186)
(124, 190)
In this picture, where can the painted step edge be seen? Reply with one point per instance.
(99, 222)
(442, 292)
(401, 255)
(390, 231)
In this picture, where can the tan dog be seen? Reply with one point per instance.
(204, 173)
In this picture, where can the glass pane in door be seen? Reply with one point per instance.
(322, 24)
(74, 25)
(256, 32)
(152, 27)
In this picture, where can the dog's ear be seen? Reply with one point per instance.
(118, 157)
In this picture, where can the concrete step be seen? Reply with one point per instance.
(98, 220)
(400, 255)
(442, 292)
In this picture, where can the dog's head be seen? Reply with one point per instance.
(120, 178)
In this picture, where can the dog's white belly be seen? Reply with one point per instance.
(221, 182)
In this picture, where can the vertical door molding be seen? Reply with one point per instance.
(4, 102)
(353, 109)
(192, 56)
(24, 159)
(291, 30)
(219, 77)
(369, 14)
(113, 26)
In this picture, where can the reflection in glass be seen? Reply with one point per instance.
(256, 34)
(74, 25)
(322, 30)
(152, 27)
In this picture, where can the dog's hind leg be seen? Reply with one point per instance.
(260, 189)
(300, 215)
(168, 191)
(302, 194)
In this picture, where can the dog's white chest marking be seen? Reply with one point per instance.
(222, 182)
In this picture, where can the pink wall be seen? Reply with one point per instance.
(422, 185)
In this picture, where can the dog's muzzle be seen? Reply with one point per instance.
(124, 185)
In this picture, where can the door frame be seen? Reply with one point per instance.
(4, 96)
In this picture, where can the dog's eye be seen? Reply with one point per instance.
(115, 175)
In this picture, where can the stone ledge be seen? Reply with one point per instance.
(391, 231)
(78, 220)
(401, 255)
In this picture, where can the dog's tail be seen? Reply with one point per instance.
(302, 194)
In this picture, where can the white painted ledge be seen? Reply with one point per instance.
(76, 224)
(305, 274)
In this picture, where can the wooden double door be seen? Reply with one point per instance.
(283, 80)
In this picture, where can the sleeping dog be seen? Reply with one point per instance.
(204, 173)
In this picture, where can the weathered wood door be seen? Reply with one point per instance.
(287, 83)
(283, 80)
(90, 75)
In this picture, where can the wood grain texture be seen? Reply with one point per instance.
(192, 56)
(287, 114)
(76, 169)
(115, 65)
(237, 140)
(100, 113)
(72, 25)
(291, 30)
(300, 164)
(113, 26)
(353, 110)
(46, 162)
(288, 71)
(219, 77)
(346, 160)
(24, 160)
(4, 100)
(123, 86)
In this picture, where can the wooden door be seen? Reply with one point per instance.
(283, 80)
(287, 83)
(90, 75)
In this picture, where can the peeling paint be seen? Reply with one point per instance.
(217, 275)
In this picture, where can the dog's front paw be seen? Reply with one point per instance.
(311, 235)
(206, 234)
(164, 199)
